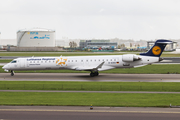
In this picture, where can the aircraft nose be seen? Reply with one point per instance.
(4, 67)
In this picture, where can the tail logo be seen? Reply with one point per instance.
(156, 50)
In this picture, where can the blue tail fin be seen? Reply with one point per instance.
(157, 49)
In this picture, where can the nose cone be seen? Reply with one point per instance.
(5, 67)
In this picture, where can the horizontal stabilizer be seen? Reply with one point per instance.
(164, 42)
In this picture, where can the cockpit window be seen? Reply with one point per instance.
(14, 61)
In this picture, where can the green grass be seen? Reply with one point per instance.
(149, 69)
(89, 86)
(165, 54)
(5, 61)
(86, 99)
(170, 55)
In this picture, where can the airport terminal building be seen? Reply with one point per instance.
(97, 44)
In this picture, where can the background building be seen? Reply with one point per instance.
(36, 37)
(97, 44)
(0, 39)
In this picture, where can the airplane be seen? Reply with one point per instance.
(94, 64)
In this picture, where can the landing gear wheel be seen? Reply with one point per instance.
(96, 73)
(92, 74)
(12, 73)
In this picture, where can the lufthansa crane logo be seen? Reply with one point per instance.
(156, 50)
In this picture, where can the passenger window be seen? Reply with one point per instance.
(81, 60)
(76, 60)
(107, 60)
(72, 60)
(94, 60)
(68, 60)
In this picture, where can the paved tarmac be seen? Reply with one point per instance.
(103, 77)
(2, 64)
(84, 113)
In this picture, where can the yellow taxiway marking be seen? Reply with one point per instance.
(39, 110)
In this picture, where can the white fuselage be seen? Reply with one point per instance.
(87, 63)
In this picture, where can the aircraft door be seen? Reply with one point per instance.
(22, 63)
(27, 63)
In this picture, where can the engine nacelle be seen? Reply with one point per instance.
(130, 58)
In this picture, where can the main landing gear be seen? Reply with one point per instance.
(94, 73)
(12, 73)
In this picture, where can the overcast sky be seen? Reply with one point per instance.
(87, 19)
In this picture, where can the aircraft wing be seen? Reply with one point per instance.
(93, 68)
(140, 65)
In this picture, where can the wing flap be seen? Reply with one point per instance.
(90, 68)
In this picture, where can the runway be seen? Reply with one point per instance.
(103, 77)
(77, 113)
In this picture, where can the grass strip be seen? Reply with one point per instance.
(5, 61)
(86, 99)
(74, 54)
(149, 69)
(90, 86)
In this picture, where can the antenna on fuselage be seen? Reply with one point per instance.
(61, 56)
(32, 56)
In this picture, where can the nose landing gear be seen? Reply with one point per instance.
(12, 73)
